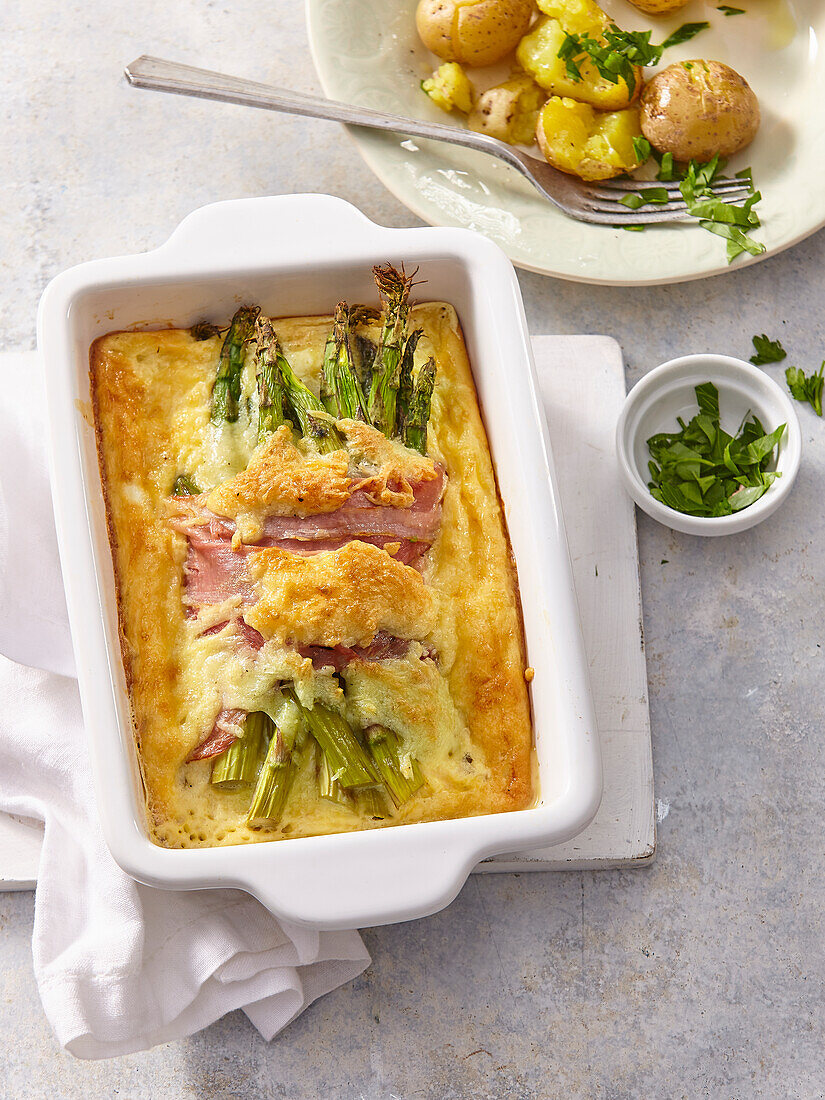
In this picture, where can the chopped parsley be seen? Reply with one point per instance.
(727, 10)
(642, 149)
(727, 220)
(767, 351)
(667, 169)
(614, 55)
(702, 470)
(806, 387)
(683, 34)
(645, 196)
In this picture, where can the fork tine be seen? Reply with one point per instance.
(672, 187)
(677, 204)
(614, 194)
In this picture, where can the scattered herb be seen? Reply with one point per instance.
(701, 470)
(767, 351)
(631, 228)
(184, 487)
(724, 219)
(683, 34)
(614, 55)
(806, 387)
(642, 149)
(664, 561)
(687, 65)
(667, 169)
(204, 330)
(727, 10)
(648, 195)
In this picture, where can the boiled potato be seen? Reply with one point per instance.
(449, 88)
(594, 145)
(577, 16)
(537, 54)
(474, 32)
(658, 7)
(695, 109)
(509, 111)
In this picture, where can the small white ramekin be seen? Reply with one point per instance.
(653, 405)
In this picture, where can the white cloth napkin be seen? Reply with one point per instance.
(120, 967)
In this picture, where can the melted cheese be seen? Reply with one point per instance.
(466, 718)
(338, 597)
(281, 480)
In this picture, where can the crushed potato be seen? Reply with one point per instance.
(538, 55)
(509, 111)
(450, 89)
(594, 145)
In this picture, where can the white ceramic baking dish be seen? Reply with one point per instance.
(300, 254)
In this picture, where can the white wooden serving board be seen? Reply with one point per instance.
(582, 380)
(582, 383)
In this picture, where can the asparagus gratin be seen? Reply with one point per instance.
(318, 608)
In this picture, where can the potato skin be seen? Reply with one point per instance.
(695, 109)
(594, 145)
(509, 111)
(472, 32)
(658, 7)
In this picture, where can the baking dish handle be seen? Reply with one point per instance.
(281, 227)
(392, 882)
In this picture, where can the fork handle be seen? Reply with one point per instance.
(168, 76)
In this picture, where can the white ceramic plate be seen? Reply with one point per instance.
(299, 254)
(369, 53)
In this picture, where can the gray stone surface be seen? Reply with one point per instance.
(700, 976)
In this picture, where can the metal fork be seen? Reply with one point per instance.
(595, 202)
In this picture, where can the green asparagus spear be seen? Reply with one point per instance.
(274, 781)
(346, 757)
(401, 780)
(310, 415)
(327, 394)
(270, 386)
(362, 349)
(227, 389)
(372, 803)
(415, 424)
(184, 487)
(238, 765)
(364, 352)
(328, 787)
(339, 373)
(405, 385)
(394, 287)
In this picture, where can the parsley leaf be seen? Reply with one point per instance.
(645, 196)
(806, 387)
(702, 470)
(642, 149)
(667, 170)
(767, 351)
(684, 34)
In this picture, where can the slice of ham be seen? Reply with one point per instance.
(383, 647)
(248, 636)
(225, 732)
(358, 517)
(215, 572)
